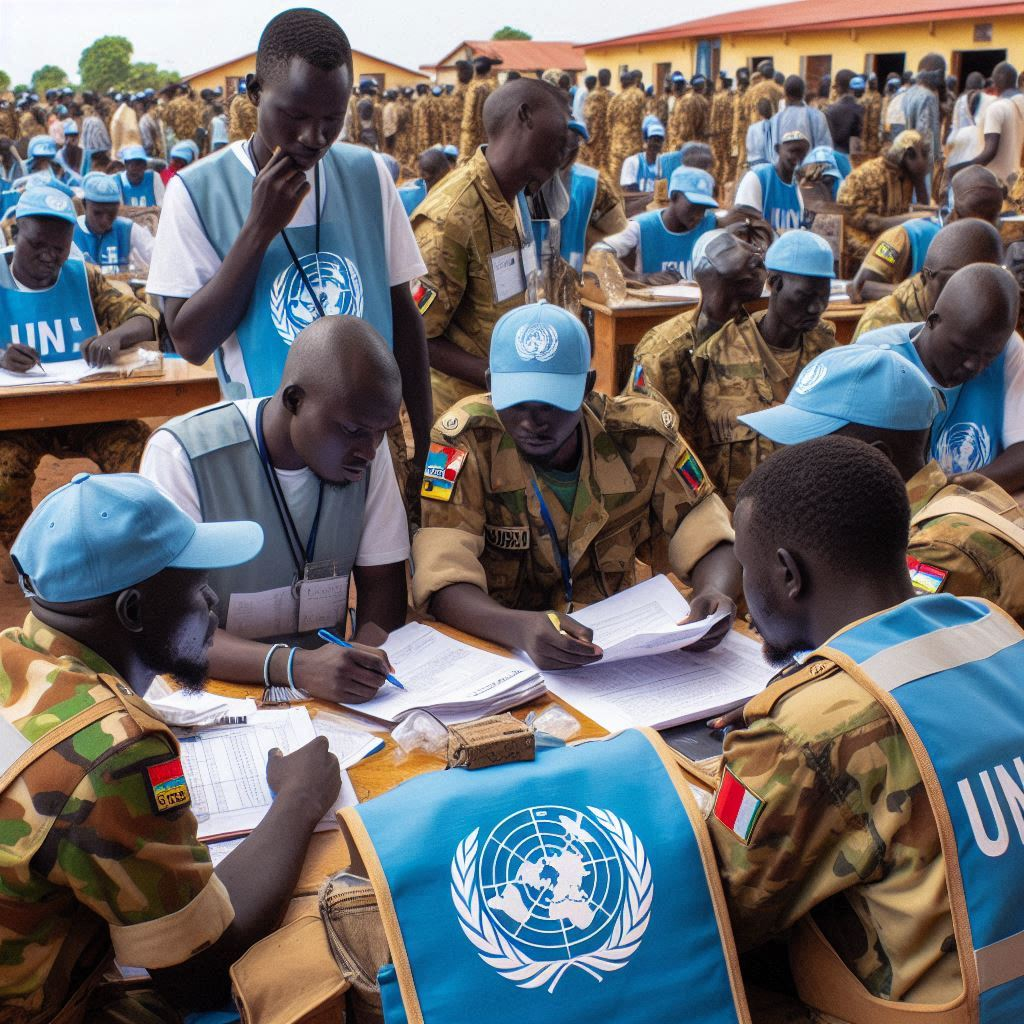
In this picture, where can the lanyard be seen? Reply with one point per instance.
(562, 557)
(283, 512)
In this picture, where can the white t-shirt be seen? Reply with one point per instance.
(633, 170)
(184, 260)
(623, 242)
(385, 534)
(1005, 117)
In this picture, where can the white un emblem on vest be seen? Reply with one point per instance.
(336, 282)
(536, 341)
(553, 888)
(964, 448)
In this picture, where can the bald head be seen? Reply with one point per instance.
(977, 193)
(1004, 76)
(433, 166)
(517, 99)
(956, 246)
(340, 355)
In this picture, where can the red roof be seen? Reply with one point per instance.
(814, 14)
(519, 54)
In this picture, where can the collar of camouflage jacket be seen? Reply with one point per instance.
(37, 636)
(924, 485)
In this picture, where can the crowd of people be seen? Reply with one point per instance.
(389, 285)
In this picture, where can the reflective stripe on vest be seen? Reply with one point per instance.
(661, 249)
(143, 194)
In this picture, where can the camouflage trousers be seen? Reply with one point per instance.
(115, 447)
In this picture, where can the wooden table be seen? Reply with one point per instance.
(181, 388)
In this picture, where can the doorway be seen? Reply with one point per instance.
(884, 65)
(813, 70)
(966, 61)
(661, 72)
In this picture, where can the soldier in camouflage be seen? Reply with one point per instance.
(455, 103)
(722, 113)
(762, 86)
(690, 115)
(595, 116)
(542, 494)
(241, 116)
(183, 115)
(871, 101)
(473, 133)
(625, 117)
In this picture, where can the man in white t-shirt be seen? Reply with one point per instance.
(311, 465)
(1002, 125)
(268, 234)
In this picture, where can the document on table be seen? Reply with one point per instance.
(666, 689)
(226, 771)
(348, 745)
(72, 371)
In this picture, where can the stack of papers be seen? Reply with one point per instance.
(450, 679)
(137, 363)
(184, 710)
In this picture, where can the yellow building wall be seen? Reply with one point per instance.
(847, 47)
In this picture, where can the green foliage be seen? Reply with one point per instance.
(49, 76)
(106, 63)
(508, 32)
(148, 76)
(5, 81)
(20, 87)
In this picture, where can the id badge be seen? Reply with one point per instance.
(508, 277)
(323, 597)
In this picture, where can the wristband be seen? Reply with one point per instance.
(291, 678)
(266, 663)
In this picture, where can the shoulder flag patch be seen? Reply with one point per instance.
(887, 253)
(736, 807)
(442, 470)
(928, 579)
(690, 470)
(423, 295)
(639, 379)
(167, 785)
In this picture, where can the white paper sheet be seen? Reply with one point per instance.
(348, 745)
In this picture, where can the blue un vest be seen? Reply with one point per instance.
(933, 658)
(573, 888)
(661, 249)
(142, 194)
(582, 194)
(350, 273)
(779, 201)
(110, 250)
(412, 195)
(968, 434)
(668, 162)
(54, 322)
(920, 232)
(645, 174)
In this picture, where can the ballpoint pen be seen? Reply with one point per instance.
(326, 634)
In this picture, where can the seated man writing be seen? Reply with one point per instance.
(310, 464)
(105, 238)
(771, 190)
(542, 494)
(53, 309)
(139, 185)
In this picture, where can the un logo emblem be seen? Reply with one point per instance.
(553, 888)
(964, 448)
(336, 282)
(536, 341)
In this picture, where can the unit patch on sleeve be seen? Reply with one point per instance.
(423, 295)
(442, 470)
(167, 785)
(736, 807)
(887, 253)
(689, 470)
(639, 378)
(928, 579)
(507, 538)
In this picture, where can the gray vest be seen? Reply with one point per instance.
(232, 485)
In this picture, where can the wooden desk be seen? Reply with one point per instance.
(181, 388)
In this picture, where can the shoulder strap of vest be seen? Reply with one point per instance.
(762, 703)
(961, 505)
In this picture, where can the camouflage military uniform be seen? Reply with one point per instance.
(472, 134)
(689, 121)
(872, 104)
(9, 123)
(116, 447)
(98, 839)
(874, 188)
(453, 105)
(907, 304)
(625, 120)
(458, 226)
(182, 117)
(764, 88)
(405, 144)
(889, 255)
(736, 372)
(241, 118)
(1016, 199)
(657, 106)
(975, 560)
(420, 114)
(722, 110)
(845, 831)
(738, 142)
(595, 112)
(639, 488)
(29, 126)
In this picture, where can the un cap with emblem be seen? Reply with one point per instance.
(100, 188)
(802, 253)
(874, 387)
(41, 145)
(539, 353)
(696, 185)
(132, 152)
(45, 201)
(101, 534)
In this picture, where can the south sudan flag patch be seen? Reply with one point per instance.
(441, 471)
(928, 579)
(737, 807)
(423, 295)
(690, 470)
(887, 253)
(167, 785)
(639, 378)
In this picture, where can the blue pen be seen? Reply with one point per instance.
(326, 634)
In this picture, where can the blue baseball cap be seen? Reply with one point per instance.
(824, 155)
(857, 82)
(41, 145)
(45, 201)
(696, 185)
(678, 76)
(580, 129)
(450, 151)
(101, 188)
(801, 252)
(539, 353)
(182, 151)
(69, 126)
(874, 387)
(103, 533)
(652, 126)
(134, 152)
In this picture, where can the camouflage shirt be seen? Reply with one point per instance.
(639, 489)
(472, 134)
(183, 117)
(907, 304)
(844, 830)
(959, 555)
(454, 103)
(95, 835)
(689, 121)
(871, 135)
(746, 112)
(241, 118)
(625, 119)
(595, 113)
(874, 188)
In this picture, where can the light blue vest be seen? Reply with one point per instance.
(110, 250)
(968, 434)
(349, 274)
(661, 249)
(143, 194)
(779, 201)
(668, 162)
(582, 195)
(54, 322)
(920, 232)
(412, 195)
(571, 889)
(646, 175)
(952, 667)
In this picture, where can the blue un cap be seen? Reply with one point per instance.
(652, 126)
(857, 82)
(101, 188)
(801, 252)
(45, 201)
(41, 145)
(101, 534)
(69, 126)
(580, 129)
(824, 155)
(696, 185)
(183, 151)
(133, 152)
(539, 353)
(450, 151)
(875, 387)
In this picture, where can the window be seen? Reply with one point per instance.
(983, 32)
(813, 70)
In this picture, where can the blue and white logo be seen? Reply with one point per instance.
(536, 341)
(553, 888)
(333, 278)
(964, 448)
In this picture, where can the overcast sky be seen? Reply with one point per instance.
(188, 35)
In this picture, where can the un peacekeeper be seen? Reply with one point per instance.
(310, 465)
(105, 238)
(474, 234)
(821, 814)
(968, 348)
(976, 548)
(730, 273)
(98, 854)
(752, 362)
(542, 495)
(54, 308)
(139, 185)
(625, 121)
(900, 252)
(956, 246)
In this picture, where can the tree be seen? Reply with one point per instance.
(508, 32)
(49, 76)
(5, 81)
(105, 64)
(20, 88)
(142, 75)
